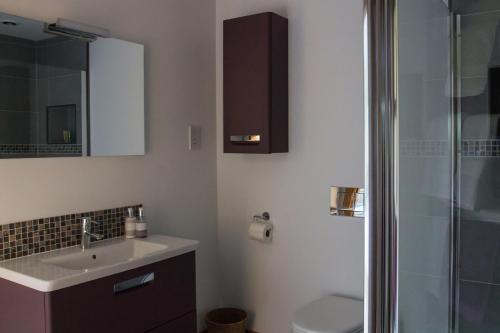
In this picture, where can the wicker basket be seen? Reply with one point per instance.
(227, 320)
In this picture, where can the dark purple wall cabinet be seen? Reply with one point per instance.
(165, 305)
(256, 84)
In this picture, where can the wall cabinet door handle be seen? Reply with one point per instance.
(252, 139)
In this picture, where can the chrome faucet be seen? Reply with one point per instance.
(87, 233)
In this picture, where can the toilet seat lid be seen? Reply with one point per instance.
(332, 314)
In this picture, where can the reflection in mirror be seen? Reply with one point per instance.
(43, 83)
(68, 92)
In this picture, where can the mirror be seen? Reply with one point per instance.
(63, 96)
(116, 97)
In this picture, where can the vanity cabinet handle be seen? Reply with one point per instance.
(136, 282)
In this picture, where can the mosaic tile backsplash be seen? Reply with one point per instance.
(424, 148)
(469, 148)
(481, 148)
(41, 235)
(14, 150)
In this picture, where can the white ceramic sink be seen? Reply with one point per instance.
(71, 266)
(106, 255)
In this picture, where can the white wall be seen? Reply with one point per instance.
(177, 187)
(313, 254)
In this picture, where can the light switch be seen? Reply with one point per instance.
(194, 133)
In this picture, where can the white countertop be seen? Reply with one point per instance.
(44, 272)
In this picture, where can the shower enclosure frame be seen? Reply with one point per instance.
(381, 167)
(381, 173)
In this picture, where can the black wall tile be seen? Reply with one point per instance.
(479, 308)
(480, 251)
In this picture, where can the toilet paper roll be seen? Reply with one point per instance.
(260, 231)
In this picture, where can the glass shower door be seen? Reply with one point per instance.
(410, 177)
(433, 148)
(425, 163)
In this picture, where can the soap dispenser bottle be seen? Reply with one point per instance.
(141, 227)
(130, 222)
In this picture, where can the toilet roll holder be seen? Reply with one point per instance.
(264, 218)
(264, 221)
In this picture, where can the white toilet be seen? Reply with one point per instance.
(332, 314)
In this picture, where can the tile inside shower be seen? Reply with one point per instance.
(479, 242)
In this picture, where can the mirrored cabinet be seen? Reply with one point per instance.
(68, 94)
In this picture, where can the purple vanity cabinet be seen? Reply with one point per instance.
(185, 323)
(21, 309)
(165, 302)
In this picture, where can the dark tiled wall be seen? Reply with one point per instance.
(60, 62)
(33, 76)
(479, 307)
(480, 276)
(41, 235)
(479, 287)
(17, 71)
